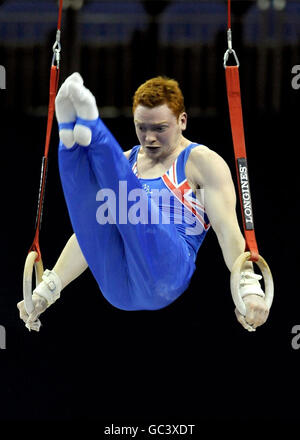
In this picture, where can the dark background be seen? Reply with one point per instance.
(191, 362)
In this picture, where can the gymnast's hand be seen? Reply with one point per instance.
(43, 296)
(257, 312)
(31, 321)
(75, 101)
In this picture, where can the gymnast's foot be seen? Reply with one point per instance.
(76, 112)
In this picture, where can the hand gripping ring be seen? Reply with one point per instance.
(235, 281)
(27, 278)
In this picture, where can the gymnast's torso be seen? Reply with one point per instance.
(169, 177)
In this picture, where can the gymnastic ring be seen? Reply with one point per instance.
(236, 276)
(27, 278)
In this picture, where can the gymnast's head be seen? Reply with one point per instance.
(159, 112)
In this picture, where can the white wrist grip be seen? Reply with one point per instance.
(235, 280)
(50, 287)
(249, 284)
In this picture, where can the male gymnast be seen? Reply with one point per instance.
(140, 245)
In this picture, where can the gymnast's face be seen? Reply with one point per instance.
(158, 130)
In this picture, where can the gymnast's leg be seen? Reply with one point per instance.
(101, 245)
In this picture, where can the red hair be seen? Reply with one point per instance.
(158, 91)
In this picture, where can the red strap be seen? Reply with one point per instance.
(59, 14)
(229, 15)
(238, 136)
(54, 77)
(235, 109)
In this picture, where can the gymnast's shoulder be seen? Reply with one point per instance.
(208, 163)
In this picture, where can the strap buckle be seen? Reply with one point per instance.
(56, 49)
(230, 50)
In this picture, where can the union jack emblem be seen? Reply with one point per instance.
(183, 192)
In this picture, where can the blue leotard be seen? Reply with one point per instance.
(141, 260)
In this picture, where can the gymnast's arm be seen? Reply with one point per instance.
(213, 175)
(71, 262)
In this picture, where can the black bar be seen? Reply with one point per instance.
(245, 193)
